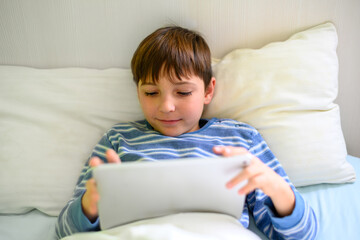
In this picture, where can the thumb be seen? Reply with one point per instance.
(112, 156)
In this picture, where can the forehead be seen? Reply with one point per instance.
(191, 80)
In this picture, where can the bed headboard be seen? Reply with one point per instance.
(104, 33)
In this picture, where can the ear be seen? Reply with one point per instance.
(209, 91)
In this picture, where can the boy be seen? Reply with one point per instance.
(172, 71)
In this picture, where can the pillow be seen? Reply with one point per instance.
(287, 90)
(50, 121)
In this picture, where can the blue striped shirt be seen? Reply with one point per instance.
(137, 141)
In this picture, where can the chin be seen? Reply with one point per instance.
(170, 133)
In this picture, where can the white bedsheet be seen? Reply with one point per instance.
(33, 225)
(189, 226)
(337, 206)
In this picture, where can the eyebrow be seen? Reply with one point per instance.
(177, 83)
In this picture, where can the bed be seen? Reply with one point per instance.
(289, 68)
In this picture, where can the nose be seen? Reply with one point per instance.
(167, 104)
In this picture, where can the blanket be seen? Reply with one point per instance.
(189, 226)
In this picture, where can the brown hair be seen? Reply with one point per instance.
(174, 51)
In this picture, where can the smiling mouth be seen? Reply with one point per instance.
(168, 121)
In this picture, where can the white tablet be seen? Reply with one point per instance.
(133, 191)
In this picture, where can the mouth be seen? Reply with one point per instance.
(169, 121)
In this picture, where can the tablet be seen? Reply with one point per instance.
(133, 191)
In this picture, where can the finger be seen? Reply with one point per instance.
(251, 185)
(92, 193)
(236, 180)
(219, 150)
(93, 189)
(246, 189)
(249, 172)
(90, 185)
(95, 161)
(90, 199)
(228, 151)
(112, 156)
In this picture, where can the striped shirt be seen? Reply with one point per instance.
(137, 141)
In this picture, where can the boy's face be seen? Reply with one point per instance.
(174, 107)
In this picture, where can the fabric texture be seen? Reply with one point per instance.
(336, 206)
(50, 121)
(188, 226)
(286, 90)
(137, 141)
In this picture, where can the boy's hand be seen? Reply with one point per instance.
(260, 176)
(91, 196)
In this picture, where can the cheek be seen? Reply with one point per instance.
(149, 108)
(195, 105)
(145, 104)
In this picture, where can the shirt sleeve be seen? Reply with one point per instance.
(300, 224)
(72, 219)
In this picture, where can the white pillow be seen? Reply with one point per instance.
(286, 90)
(50, 121)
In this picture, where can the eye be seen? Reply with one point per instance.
(185, 93)
(150, 93)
